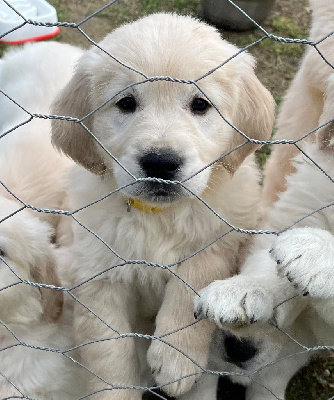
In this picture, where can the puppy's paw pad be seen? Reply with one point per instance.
(235, 300)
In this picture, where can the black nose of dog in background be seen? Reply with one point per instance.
(162, 163)
(239, 351)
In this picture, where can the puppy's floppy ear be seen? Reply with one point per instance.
(44, 271)
(70, 137)
(254, 117)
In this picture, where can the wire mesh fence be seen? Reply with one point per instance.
(84, 357)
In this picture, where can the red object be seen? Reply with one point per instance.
(32, 39)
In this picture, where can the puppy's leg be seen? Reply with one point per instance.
(180, 356)
(205, 388)
(183, 358)
(252, 295)
(111, 357)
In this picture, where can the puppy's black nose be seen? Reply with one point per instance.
(238, 350)
(163, 164)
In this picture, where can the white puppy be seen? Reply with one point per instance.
(160, 165)
(303, 253)
(22, 71)
(33, 327)
(255, 295)
(304, 101)
(30, 77)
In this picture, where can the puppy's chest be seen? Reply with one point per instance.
(130, 248)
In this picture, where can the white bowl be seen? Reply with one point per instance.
(34, 10)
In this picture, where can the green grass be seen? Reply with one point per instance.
(279, 26)
(314, 382)
(287, 28)
(119, 14)
(262, 155)
(293, 49)
(61, 7)
(3, 48)
(180, 6)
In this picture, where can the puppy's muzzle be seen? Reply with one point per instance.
(239, 351)
(166, 166)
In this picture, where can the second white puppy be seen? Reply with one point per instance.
(34, 324)
(303, 254)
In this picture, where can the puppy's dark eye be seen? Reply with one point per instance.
(127, 104)
(199, 106)
(2, 253)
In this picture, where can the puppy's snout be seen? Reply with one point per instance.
(238, 350)
(161, 164)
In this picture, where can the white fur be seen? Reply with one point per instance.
(21, 73)
(305, 257)
(247, 296)
(303, 249)
(304, 101)
(254, 294)
(132, 288)
(33, 174)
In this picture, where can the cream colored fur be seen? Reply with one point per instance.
(33, 174)
(32, 76)
(129, 291)
(304, 101)
(303, 252)
(252, 296)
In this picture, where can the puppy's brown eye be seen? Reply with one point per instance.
(199, 106)
(2, 253)
(127, 104)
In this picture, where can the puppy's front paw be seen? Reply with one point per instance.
(169, 365)
(235, 300)
(306, 257)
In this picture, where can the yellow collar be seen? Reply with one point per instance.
(133, 202)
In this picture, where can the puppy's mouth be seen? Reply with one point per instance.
(159, 192)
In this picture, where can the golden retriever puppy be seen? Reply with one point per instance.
(303, 103)
(31, 316)
(162, 186)
(30, 78)
(288, 279)
(301, 253)
(34, 326)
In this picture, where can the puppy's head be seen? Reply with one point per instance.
(248, 349)
(165, 129)
(26, 256)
